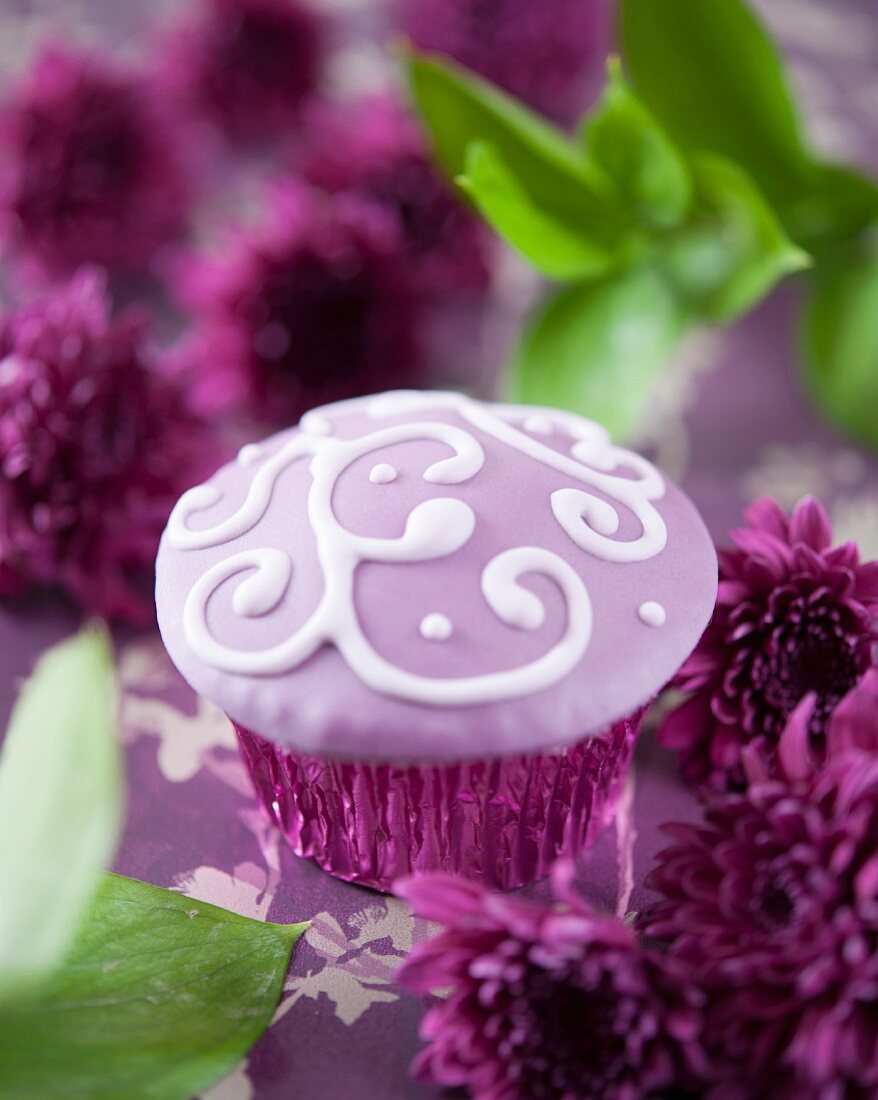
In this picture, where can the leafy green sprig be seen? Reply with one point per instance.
(109, 987)
(685, 196)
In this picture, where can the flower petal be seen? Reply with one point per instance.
(810, 524)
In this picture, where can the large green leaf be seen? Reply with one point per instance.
(60, 799)
(597, 348)
(556, 248)
(460, 110)
(734, 250)
(840, 344)
(710, 73)
(624, 139)
(160, 996)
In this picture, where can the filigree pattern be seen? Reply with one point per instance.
(609, 480)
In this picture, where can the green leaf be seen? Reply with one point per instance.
(556, 249)
(840, 344)
(624, 139)
(160, 996)
(60, 806)
(840, 203)
(712, 76)
(734, 250)
(597, 348)
(461, 110)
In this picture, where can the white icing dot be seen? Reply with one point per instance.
(537, 424)
(436, 627)
(315, 423)
(249, 454)
(382, 474)
(652, 613)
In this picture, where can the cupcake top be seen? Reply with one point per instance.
(422, 576)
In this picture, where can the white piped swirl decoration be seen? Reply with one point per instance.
(434, 529)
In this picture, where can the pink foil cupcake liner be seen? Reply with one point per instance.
(501, 822)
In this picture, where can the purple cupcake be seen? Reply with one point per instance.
(435, 624)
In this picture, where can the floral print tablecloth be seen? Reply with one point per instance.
(730, 421)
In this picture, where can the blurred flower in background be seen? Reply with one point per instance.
(91, 166)
(342, 283)
(313, 304)
(95, 447)
(247, 65)
(545, 52)
(794, 615)
(375, 149)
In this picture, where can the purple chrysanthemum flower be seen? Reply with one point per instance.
(375, 149)
(545, 1003)
(794, 615)
(854, 722)
(248, 65)
(314, 305)
(95, 448)
(543, 52)
(91, 166)
(772, 905)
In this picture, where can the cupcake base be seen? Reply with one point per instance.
(501, 822)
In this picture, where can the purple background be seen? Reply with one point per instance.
(730, 422)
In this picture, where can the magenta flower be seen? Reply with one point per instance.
(312, 306)
(374, 149)
(772, 906)
(95, 448)
(248, 65)
(854, 722)
(545, 52)
(90, 166)
(793, 615)
(545, 1003)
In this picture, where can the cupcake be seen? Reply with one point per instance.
(435, 624)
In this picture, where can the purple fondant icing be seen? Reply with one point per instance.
(419, 576)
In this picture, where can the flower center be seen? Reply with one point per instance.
(314, 317)
(784, 889)
(566, 1038)
(772, 906)
(105, 158)
(818, 647)
(265, 48)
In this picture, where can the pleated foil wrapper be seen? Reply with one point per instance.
(501, 822)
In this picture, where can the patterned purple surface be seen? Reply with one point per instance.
(730, 420)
